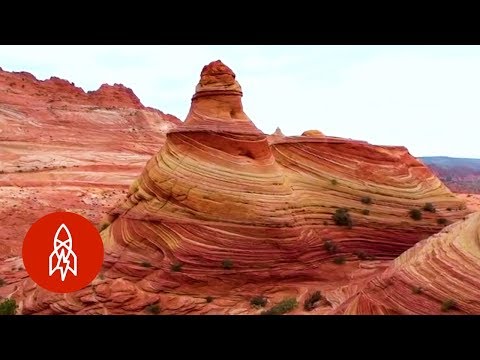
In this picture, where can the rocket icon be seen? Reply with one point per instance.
(62, 257)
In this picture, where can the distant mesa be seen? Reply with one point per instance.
(57, 90)
(116, 92)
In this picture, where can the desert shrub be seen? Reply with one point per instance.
(209, 299)
(362, 255)
(103, 226)
(2, 282)
(366, 200)
(330, 246)
(449, 209)
(448, 304)
(154, 309)
(334, 182)
(342, 218)
(8, 307)
(227, 264)
(429, 207)
(145, 264)
(339, 260)
(366, 212)
(176, 267)
(258, 301)
(325, 222)
(415, 214)
(285, 306)
(442, 221)
(417, 290)
(311, 302)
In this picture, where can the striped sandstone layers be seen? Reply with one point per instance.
(222, 212)
(65, 149)
(218, 175)
(439, 275)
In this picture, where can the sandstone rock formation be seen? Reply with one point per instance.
(439, 275)
(64, 149)
(316, 133)
(278, 132)
(219, 215)
(471, 200)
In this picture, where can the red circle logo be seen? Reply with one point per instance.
(62, 252)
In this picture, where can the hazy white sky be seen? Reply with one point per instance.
(423, 97)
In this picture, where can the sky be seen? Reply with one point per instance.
(426, 98)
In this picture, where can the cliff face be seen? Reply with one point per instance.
(64, 149)
(223, 213)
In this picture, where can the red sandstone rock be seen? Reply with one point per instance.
(278, 132)
(440, 275)
(219, 215)
(64, 149)
(313, 133)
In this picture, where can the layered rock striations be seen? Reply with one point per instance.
(439, 275)
(222, 213)
(218, 171)
(65, 149)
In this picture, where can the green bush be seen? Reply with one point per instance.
(429, 207)
(330, 246)
(417, 290)
(258, 301)
(342, 218)
(366, 200)
(366, 212)
(362, 255)
(103, 226)
(154, 309)
(285, 306)
(415, 214)
(448, 304)
(227, 264)
(311, 302)
(176, 267)
(8, 307)
(339, 260)
(442, 221)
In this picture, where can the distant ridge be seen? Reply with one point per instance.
(459, 174)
